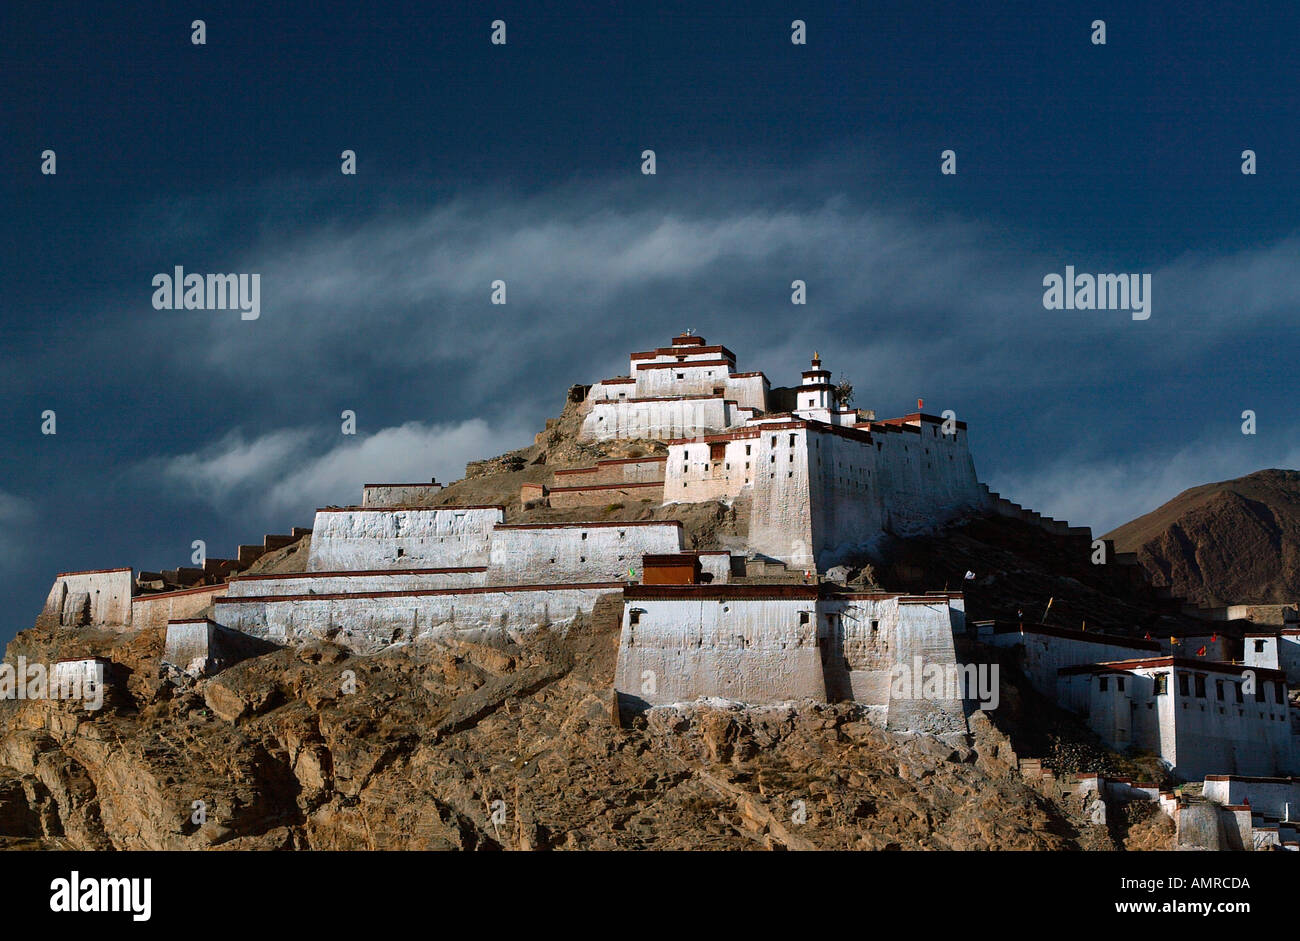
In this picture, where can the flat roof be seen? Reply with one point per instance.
(358, 573)
(395, 509)
(1091, 637)
(686, 364)
(193, 590)
(1248, 779)
(917, 417)
(676, 351)
(590, 524)
(625, 485)
(1177, 663)
(724, 592)
(431, 483)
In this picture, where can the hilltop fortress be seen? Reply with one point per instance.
(825, 480)
(767, 615)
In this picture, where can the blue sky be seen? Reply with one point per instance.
(476, 162)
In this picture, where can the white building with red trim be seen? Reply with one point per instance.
(823, 481)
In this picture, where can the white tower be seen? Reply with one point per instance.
(816, 398)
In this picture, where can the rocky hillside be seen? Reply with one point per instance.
(1232, 542)
(519, 745)
(492, 747)
(512, 746)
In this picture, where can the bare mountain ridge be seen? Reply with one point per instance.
(1230, 542)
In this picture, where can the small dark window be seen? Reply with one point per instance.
(1278, 695)
(1119, 684)
(1103, 683)
(634, 616)
(1218, 690)
(1183, 689)
(1200, 686)
(1259, 646)
(1237, 687)
(1162, 683)
(803, 617)
(875, 626)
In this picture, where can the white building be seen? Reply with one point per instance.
(1199, 717)
(1276, 650)
(688, 388)
(822, 490)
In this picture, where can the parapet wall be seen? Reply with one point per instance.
(98, 598)
(605, 494)
(390, 495)
(621, 471)
(367, 539)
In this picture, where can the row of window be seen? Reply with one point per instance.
(1186, 683)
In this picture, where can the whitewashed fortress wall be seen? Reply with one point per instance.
(773, 643)
(551, 553)
(869, 635)
(659, 418)
(356, 538)
(366, 622)
(821, 491)
(679, 644)
(100, 597)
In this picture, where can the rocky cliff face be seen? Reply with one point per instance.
(1232, 542)
(468, 746)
